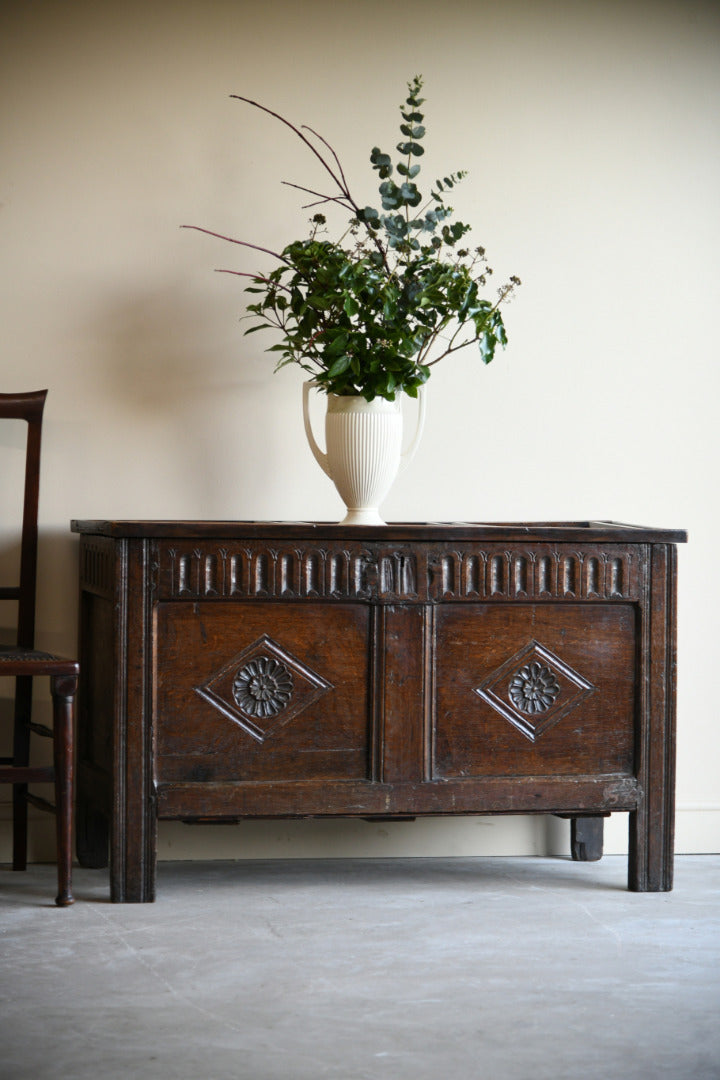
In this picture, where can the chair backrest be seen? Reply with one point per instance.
(27, 407)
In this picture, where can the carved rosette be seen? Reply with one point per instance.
(263, 687)
(534, 688)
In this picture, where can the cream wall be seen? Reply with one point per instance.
(590, 131)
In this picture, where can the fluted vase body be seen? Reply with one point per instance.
(364, 452)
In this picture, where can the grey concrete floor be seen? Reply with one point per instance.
(475, 969)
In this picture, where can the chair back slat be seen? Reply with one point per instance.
(28, 407)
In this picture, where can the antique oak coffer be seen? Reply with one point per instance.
(237, 670)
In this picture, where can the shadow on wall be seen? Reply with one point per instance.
(57, 591)
(194, 407)
(57, 577)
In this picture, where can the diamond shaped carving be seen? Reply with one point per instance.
(263, 688)
(534, 689)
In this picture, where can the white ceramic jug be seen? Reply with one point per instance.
(364, 450)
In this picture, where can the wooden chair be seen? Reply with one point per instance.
(22, 661)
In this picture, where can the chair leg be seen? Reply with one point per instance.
(63, 689)
(21, 757)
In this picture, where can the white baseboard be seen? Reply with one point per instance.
(697, 831)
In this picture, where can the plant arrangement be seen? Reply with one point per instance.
(371, 313)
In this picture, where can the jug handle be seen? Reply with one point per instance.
(321, 458)
(409, 454)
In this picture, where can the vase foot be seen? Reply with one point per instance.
(366, 515)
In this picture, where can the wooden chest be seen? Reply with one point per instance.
(234, 670)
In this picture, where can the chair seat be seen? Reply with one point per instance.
(14, 660)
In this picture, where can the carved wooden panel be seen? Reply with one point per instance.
(97, 566)
(533, 690)
(536, 572)
(95, 713)
(263, 687)
(219, 664)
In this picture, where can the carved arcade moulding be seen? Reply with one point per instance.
(379, 572)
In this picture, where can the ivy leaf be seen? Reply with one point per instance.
(337, 344)
(339, 367)
(486, 344)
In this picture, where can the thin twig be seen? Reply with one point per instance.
(255, 277)
(341, 199)
(243, 243)
(298, 132)
(332, 151)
